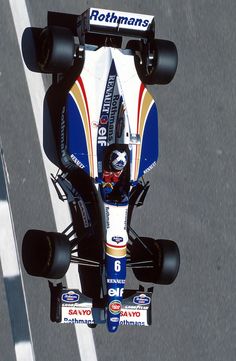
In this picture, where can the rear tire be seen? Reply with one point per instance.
(156, 62)
(56, 49)
(46, 254)
(165, 259)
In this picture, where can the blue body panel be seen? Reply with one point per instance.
(149, 151)
(76, 137)
(115, 275)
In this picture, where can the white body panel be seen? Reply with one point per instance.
(94, 76)
(116, 224)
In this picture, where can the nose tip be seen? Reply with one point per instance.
(112, 328)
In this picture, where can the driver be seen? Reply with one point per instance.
(116, 165)
(112, 172)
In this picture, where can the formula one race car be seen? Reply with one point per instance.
(107, 140)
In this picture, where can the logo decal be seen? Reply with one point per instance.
(70, 296)
(104, 119)
(110, 280)
(115, 307)
(77, 161)
(107, 212)
(113, 115)
(130, 314)
(118, 18)
(114, 319)
(80, 312)
(117, 292)
(106, 115)
(117, 239)
(142, 300)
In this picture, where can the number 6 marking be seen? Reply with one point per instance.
(117, 266)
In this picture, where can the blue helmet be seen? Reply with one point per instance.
(118, 159)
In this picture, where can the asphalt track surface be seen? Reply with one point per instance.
(192, 198)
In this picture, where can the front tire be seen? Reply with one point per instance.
(46, 254)
(164, 256)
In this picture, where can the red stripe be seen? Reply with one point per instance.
(115, 246)
(141, 90)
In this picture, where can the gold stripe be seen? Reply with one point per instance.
(147, 99)
(116, 252)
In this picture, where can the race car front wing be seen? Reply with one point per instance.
(72, 306)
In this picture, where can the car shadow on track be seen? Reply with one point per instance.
(90, 246)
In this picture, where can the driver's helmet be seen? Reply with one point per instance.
(118, 159)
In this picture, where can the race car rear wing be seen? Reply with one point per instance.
(73, 307)
(95, 21)
(117, 22)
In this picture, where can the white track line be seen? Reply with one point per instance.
(12, 275)
(61, 211)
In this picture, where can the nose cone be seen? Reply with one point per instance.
(112, 327)
(113, 315)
